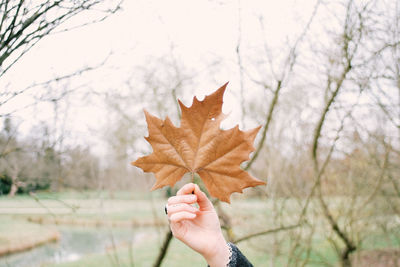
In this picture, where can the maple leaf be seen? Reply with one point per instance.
(200, 146)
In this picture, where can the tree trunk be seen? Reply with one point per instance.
(164, 249)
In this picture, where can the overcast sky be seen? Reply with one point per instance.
(198, 30)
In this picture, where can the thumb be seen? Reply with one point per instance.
(202, 199)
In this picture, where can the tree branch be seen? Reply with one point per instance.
(266, 232)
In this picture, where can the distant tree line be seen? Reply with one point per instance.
(29, 164)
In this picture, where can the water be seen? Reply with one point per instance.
(74, 243)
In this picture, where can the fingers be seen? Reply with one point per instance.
(202, 199)
(177, 217)
(179, 199)
(178, 212)
(179, 206)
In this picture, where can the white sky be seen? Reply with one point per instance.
(197, 29)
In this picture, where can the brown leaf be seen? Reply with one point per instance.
(200, 146)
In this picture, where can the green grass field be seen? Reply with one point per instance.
(32, 217)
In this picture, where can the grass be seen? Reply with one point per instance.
(180, 255)
(247, 215)
(380, 241)
(19, 235)
(12, 230)
(142, 254)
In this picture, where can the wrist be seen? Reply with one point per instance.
(220, 255)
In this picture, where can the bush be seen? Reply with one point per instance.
(5, 184)
(34, 185)
(29, 186)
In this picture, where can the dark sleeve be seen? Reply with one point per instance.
(238, 259)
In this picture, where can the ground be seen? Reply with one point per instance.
(27, 218)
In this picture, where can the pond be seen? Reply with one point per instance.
(74, 244)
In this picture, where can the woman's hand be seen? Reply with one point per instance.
(199, 228)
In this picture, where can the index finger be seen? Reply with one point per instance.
(186, 189)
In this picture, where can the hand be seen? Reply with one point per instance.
(199, 228)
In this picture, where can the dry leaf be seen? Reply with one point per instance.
(200, 146)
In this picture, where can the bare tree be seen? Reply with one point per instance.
(25, 23)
